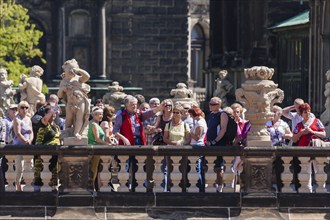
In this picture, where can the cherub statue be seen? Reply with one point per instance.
(31, 88)
(223, 86)
(6, 90)
(73, 92)
(325, 116)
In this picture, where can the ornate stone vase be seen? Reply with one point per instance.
(258, 95)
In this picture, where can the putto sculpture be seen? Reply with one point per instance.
(223, 86)
(73, 92)
(31, 88)
(6, 90)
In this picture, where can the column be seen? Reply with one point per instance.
(102, 43)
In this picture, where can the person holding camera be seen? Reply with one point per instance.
(278, 129)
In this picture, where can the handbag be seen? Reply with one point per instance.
(158, 139)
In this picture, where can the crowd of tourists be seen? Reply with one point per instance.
(154, 123)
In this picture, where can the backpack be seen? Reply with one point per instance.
(231, 128)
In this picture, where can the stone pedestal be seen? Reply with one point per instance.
(258, 95)
(73, 173)
(259, 173)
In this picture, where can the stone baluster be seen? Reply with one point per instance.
(158, 174)
(175, 175)
(286, 175)
(28, 173)
(140, 175)
(304, 175)
(10, 174)
(123, 175)
(327, 173)
(105, 173)
(46, 174)
(210, 175)
(321, 176)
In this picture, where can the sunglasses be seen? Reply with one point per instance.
(24, 107)
(176, 113)
(168, 105)
(213, 104)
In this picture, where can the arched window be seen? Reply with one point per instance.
(197, 55)
(79, 23)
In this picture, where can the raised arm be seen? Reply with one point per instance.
(84, 76)
(286, 111)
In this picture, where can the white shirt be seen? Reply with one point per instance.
(200, 123)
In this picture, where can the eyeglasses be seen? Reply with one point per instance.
(14, 109)
(186, 108)
(213, 104)
(176, 113)
(24, 107)
(168, 106)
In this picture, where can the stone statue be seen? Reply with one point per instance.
(325, 116)
(183, 95)
(223, 86)
(6, 90)
(31, 88)
(258, 95)
(73, 91)
(115, 96)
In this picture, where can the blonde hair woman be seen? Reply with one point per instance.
(177, 132)
(22, 127)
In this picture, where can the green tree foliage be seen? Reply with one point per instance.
(18, 40)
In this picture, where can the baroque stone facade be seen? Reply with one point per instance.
(139, 43)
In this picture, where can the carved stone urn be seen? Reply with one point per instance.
(258, 95)
(115, 96)
(183, 95)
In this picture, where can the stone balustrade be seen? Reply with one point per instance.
(291, 168)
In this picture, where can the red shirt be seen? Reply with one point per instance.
(306, 138)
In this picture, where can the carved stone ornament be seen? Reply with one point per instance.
(257, 174)
(223, 86)
(325, 116)
(183, 95)
(115, 96)
(258, 95)
(73, 92)
(73, 173)
(31, 88)
(6, 90)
